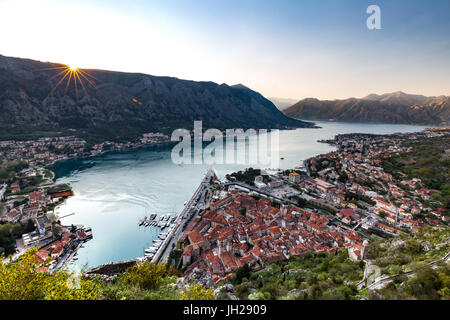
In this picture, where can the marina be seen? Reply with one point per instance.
(162, 222)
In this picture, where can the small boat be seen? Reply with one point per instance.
(151, 250)
(163, 235)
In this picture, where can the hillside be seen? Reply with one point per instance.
(121, 105)
(397, 107)
(429, 159)
(325, 276)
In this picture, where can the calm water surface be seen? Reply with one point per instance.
(113, 191)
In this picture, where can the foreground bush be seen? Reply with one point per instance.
(27, 279)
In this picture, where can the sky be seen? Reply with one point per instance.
(283, 48)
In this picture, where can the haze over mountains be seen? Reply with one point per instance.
(282, 103)
(396, 107)
(124, 105)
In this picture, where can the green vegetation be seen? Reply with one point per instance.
(22, 280)
(8, 173)
(403, 251)
(426, 284)
(314, 276)
(430, 161)
(333, 276)
(26, 279)
(59, 188)
(247, 176)
(9, 232)
(149, 281)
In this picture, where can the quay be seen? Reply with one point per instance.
(182, 218)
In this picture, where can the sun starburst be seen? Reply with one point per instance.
(72, 74)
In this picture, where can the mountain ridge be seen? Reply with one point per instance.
(124, 105)
(396, 107)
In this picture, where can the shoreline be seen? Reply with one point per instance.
(167, 144)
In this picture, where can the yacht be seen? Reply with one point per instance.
(151, 250)
(163, 235)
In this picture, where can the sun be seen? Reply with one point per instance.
(72, 74)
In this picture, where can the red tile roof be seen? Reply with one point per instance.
(195, 236)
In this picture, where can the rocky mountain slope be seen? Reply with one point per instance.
(397, 107)
(123, 105)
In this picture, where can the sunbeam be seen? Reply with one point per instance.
(71, 73)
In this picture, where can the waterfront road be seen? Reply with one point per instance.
(191, 206)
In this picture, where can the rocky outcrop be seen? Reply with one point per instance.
(225, 292)
(198, 275)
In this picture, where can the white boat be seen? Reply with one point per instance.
(151, 250)
(162, 236)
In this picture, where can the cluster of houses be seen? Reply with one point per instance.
(34, 206)
(240, 229)
(42, 150)
(358, 160)
(48, 150)
(52, 253)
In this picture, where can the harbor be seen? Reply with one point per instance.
(162, 222)
(159, 252)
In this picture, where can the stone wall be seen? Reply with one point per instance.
(112, 268)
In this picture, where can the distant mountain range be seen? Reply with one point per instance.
(282, 103)
(397, 107)
(123, 105)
